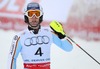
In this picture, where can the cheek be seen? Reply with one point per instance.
(37, 19)
(30, 19)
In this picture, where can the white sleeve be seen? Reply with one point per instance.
(13, 53)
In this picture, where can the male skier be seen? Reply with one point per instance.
(35, 41)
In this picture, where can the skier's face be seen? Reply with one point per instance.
(34, 21)
(33, 17)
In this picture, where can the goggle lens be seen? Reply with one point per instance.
(37, 13)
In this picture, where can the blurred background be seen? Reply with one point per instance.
(81, 21)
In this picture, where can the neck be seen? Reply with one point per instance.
(35, 30)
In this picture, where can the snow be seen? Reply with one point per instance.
(76, 59)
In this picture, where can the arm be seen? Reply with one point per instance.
(63, 44)
(13, 53)
(59, 36)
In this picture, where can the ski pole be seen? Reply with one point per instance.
(83, 50)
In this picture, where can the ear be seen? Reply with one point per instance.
(26, 19)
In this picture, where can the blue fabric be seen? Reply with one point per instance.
(63, 44)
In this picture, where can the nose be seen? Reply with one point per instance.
(34, 16)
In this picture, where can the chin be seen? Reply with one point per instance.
(34, 25)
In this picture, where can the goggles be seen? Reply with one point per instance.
(31, 13)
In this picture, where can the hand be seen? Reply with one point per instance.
(58, 29)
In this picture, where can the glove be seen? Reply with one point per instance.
(58, 29)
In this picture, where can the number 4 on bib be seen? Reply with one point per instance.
(39, 51)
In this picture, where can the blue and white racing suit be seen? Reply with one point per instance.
(35, 48)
